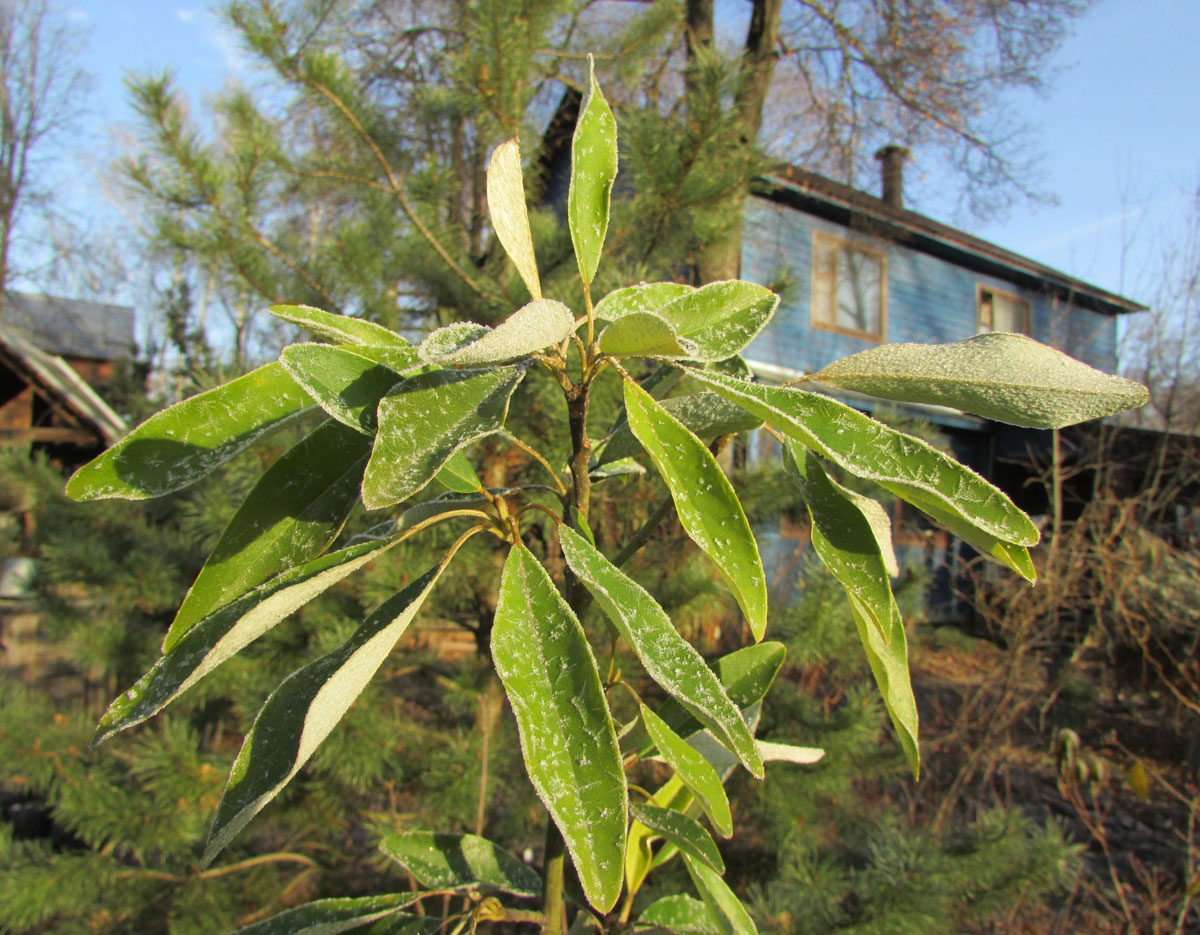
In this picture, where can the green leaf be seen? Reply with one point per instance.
(593, 170)
(907, 466)
(340, 329)
(789, 753)
(530, 328)
(705, 414)
(889, 665)
(458, 474)
(704, 499)
(1007, 377)
(425, 419)
(567, 736)
(622, 467)
(644, 334)
(438, 506)
(693, 770)
(730, 915)
(347, 385)
(666, 656)
(685, 833)
(844, 539)
(445, 341)
(721, 318)
(681, 914)
(645, 297)
(509, 214)
(292, 515)
(305, 708)
(227, 631)
(460, 861)
(179, 445)
(347, 914)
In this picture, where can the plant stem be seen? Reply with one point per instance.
(553, 865)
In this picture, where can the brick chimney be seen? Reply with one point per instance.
(891, 162)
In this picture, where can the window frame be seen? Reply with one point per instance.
(1024, 302)
(823, 238)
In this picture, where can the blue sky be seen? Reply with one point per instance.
(1119, 130)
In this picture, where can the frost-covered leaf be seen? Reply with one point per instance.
(705, 414)
(459, 475)
(530, 328)
(622, 467)
(844, 539)
(509, 214)
(179, 445)
(666, 656)
(907, 466)
(685, 833)
(681, 914)
(1007, 377)
(721, 318)
(227, 631)
(567, 735)
(425, 419)
(340, 329)
(292, 515)
(439, 506)
(704, 499)
(305, 708)
(593, 171)
(363, 915)
(445, 341)
(644, 334)
(460, 861)
(789, 753)
(889, 665)
(693, 770)
(347, 385)
(644, 297)
(726, 909)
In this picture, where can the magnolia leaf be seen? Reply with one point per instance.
(907, 466)
(460, 861)
(889, 664)
(685, 833)
(693, 770)
(593, 170)
(788, 753)
(681, 914)
(347, 914)
(666, 656)
(304, 710)
(227, 631)
(645, 297)
(445, 341)
(179, 445)
(1007, 377)
(844, 539)
(707, 415)
(340, 329)
(292, 515)
(704, 499)
(881, 526)
(567, 736)
(509, 214)
(439, 506)
(644, 334)
(726, 909)
(530, 328)
(345, 384)
(425, 419)
(721, 318)
(622, 467)
(458, 474)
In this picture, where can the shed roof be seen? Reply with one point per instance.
(70, 327)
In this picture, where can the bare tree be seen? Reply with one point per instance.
(41, 90)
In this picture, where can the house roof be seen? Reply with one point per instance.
(815, 194)
(58, 379)
(70, 327)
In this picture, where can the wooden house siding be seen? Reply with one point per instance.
(929, 300)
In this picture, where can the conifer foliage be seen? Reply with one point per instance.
(394, 418)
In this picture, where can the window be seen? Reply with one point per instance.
(1003, 311)
(849, 291)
